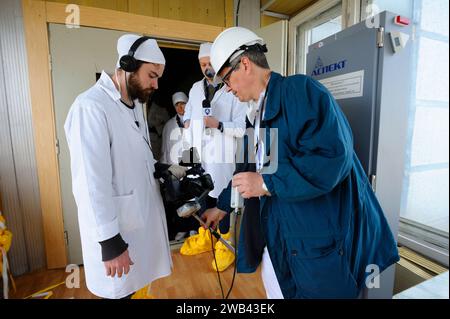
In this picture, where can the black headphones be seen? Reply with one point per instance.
(128, 63)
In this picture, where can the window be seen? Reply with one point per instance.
(319, 28)
(424, 217)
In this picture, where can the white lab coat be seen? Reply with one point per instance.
(217, 150)
(112, 178)
(171, 142)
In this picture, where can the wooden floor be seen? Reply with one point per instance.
(192, 278)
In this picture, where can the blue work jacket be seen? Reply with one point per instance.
(323, 226)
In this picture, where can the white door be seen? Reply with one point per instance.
(76, 55)
(275, 36)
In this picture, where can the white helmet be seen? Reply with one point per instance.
(231, 43)
(179, 97)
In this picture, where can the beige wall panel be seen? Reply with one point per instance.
(266, 20)
(212, 12)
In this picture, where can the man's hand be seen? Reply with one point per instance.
(178, 171)
(249, 184)
(119, 265)
(213, 216)
(211, 122)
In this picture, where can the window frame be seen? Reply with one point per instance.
(428, 241)
(351, 14)
(305, 36)
(353, 11)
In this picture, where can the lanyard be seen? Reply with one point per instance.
(147, 137)
(179, 123)
(259, 151)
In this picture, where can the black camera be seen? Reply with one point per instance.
(194, 184)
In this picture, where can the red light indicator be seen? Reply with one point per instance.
(401, 21)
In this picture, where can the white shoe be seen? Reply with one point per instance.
(180, 235)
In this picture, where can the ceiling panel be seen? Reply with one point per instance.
(288, 7)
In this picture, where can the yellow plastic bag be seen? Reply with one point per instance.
(5, 245)
(197, 244)
(223, 256)
(5, 239)
(143, 293)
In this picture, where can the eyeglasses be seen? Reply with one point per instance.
(225, 78)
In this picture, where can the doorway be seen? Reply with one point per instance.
(77, 57)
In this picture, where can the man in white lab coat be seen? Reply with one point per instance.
(171, 149)
(121, 215)
(173, 130)
(214, 118)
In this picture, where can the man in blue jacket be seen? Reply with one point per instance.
(313, 223)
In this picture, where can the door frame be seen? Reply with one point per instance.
(37, 15)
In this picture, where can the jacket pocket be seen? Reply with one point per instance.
(129, 212)
(320, 268)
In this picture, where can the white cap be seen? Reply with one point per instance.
(148, 51)
(179, 97)
(205, 50)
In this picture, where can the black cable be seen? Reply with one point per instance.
(235, 256)
(217, 268)
(126, 87)
(237, 13)
(133, 106)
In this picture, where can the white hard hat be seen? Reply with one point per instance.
(179, 97)
(205, 50)
(228, 43)
(148, 51)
